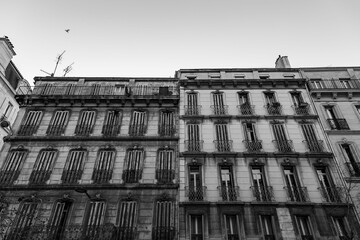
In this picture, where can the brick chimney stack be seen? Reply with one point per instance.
(282, 62)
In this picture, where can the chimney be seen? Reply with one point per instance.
(282, 62)
(6, 53)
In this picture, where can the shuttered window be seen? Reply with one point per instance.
(138, 123)
(193, 135)
(43, 167)
(59, 218)
(192, 107)
(133, 165)
(74, 166)
(231, 224)
(192, 99)
(58, 123)
(164, 224)
(25, 216)
(270, 97)
(112, 123)
(95, 218)
(167, 123)
(85, 123)
(222, 142)
(281, 141)
(104, 166)
(126, 220)
(304, 227)
(313, 144)
(10, 170)
(267, 226)
(352, 161)
(165, 172)
(218, 101)
(31, 123)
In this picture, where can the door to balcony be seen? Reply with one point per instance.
(228, 190)
(195, 184)
(59, 219)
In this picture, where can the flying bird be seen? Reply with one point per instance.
(67, 30)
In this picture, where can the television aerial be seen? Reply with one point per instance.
(67, 69)
(58, 59)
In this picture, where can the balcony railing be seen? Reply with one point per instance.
(354, 168)
(297, 194)
(274, 109)
(195, 193)
(71, 176)
(284, 146)
(338, 124)
(192, 110)
(198, 236)
(223, 146)
(315, 145)
(246, 109)
(194, 146)
(8, 177)
(167, 130)
(302, 109)
(233, 237)
(131, 176)
(263, 193)
(55, 130)
(101, 175)
(219, 110)
(83, 129)
(332, 194)
(228, 193)
(27, 130)
(163, 233)
(334, 84)
(110, 130)
(253, 146)
(137, 130)
(164, 175)
(125, 233)
(39, 176)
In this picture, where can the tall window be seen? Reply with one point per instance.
(299, 105)
(10, 170)
(167, 123)
(294, 190)
(270, 98)
(329, 192)
(165, 171)
(272, 105)
(228, 189)
(297, 98)
(138, 123)
(58, 220)
(352, 160)
(193, 144)
(304, 227)
(74, 166)
(43, 166)
(126, 220)
(164, 225)
(8, 109)
(58, 123)
(218, 103)
(112, 123)
(133, 165)
(232, 229)
(251, 141)
(31, 123)
(95, 218)
(104, 166)
(196, 227)
(244, 101)
(267, 227)
(222, 143)
(260, 189)
(311, 140)
(192, 107)
(195, 191)
(85, 123)
(333, 119)
(341, 227)
(281, 141)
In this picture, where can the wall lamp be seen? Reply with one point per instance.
(82, 190)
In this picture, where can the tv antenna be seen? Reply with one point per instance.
(67, 69)
(58, 59)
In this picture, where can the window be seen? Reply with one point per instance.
(165, 171)
(267, 227)
(299, 105)
(60, 214)
(295, 192)
(58, 123)
(352, 161)
(260, 189)
(333, 119)
(341, 227)
(167, 123)
(297, 98)
(195, 190)
(133, 165)
(126, 220)
(272, 105)
(31, 123)
(311, 141)
(43, 166)
(85, 123)
(112, 123)
(328, 190)
(8, 110)
(222, 143)
(232, 229)
(281, 141)
(138, 123)
(218, 103)
(244, 101)
(95, 219)
(304, 227)
(196, 227)
(74, 166)
(164, 224)
(10, 170)
(228, 189)
(251, 141)
(192, 107)
(193, 143)
(104, 166)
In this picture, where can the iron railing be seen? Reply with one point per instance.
(354, 168)
(71, 176)
(338, 124)
(228, 193)
(219, 109)
(131, 176)
(332, 194)
(9, 177)
(167, 130)
(55, 130)
(315, 145)
(195, 193)
(198, 236)
(284, 146)
(253, 146)
(297, 194)
(194, 146)
(163, 233)
(165, 175)
(83, 129)
(302, 109)
(27, 130)
(263, 193)
(39, 176)
(334, 84)
(223, 146)
(110, 130)
(274, 109)
(125, 233)
(246, 109)
(137, 130)
(102, 175)
(192, 110)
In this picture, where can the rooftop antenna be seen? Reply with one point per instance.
(58, 59)
(67, 69)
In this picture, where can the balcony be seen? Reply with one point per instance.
(137, 130)
(332, 194)
(219, 110)
(315, 146)
(83, 129)
(164, 176)
(125, 233)
(354, 168)
(223, 146)
(228, 193)
(9, 177)
(131, 176)
(338, 124)
(233, 237)
(110, 130)
(198, 236)
(302, 109)
(253, 146)
(39, 176)
(246, 109)
(101, 175)
(163, 233)
(274, 108)
(56, 130)
(167, 130)
(297, 194)
(27, 130)
(194, 146)
(195, 193)
(263, 193)
(71, 176)
(334, 84)
(192, 110)
(284, 146)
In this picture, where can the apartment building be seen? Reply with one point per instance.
(254, 163)
(92, 158)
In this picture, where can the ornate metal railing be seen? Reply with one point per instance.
(83, 129)
(194, 146)
(102, 175)
(246, 109)
(110, 130)
(39, 176)
(55, 130)
(137, 130)
(334, 84)
(167, 130)
(8, 177)
(263, 193)
(302, 109)
(228, 193)
(125, 233)
(315, 145)
(284, 146)
(195, 193)
(131, 176)
(71, 176)
(354, 168)
(332, 194)
(27, 130)
(223, 146)
(338, 124)
(297, 194)
(253, 146)
(165, 175)
(192, 110)
(219, 109)
(163, 233)
(274, 109)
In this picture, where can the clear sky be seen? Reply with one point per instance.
(121, 38)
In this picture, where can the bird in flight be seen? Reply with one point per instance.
(67, 30)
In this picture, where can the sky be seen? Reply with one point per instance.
(154, 38)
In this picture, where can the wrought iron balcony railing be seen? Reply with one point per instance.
(223, 146)
(198, 236)
(167, 130)
(55, 130)
(83, 129)
(338, 124)
(27, 130)
(194, 146)
(9, 177)
(137, 130)
(163, 233)
(274, 108)
(246, 109)
(125, 233)
(165, 175)
(253, 146)
(39, 176)
(219, 110)
(284, 146)
(233, 237)
(263, 193)
(332, 194)
(297, 194)
(102, 175)
(131, 176)
(301, 109)
(315, 146)
(192, 110)
(110, 130)
(228, 193)
(71, 176)
(334, 84)
(195, 193)
(354, 168)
